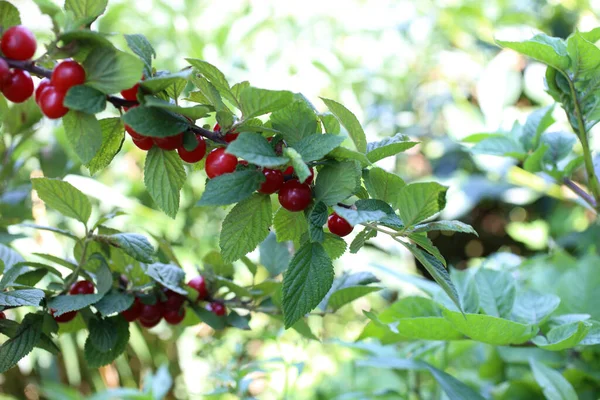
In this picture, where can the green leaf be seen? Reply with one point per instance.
(559, 145)
(25, 297)
(497, 292)
(554, 385)
(534, 162)
(499, 146)
(63, 197)
(114, 302)
(295, 122)
(231, 188)
(585, 56)
(563, 336)
(350, 122)
(452, 226)
(208, 94)
(85, 99)
(347, 295)
(337, 182)
(85, 38)
(334, 246)
(84, 134)
(289, 226)
(208, 317)
(274, 256)
(300, 167)
(491, 330)
(361, 238)
(110, 70)
(384, 186)
(103, 334)
(342, 153)
(96, 358)
(315, 147)
(168, 275)
(255, 149)
(426, 244)
(143, 49)
(164, 177)
(537, 122)
(306, 282)
(419, 201)
(162, 82)
(155, 122)
(549, 50)
(330, 123)
(9, 257)
(532, 307)
(86, 10)
(388, 147)
(464, 281)
(317, 217)
(357, 217)
(215, 77)
(257, 102)
(112, 140)
(9, 15)
(134, 244)
(194, 112)
(21, 344)
(245, 227)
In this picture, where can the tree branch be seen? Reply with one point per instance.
(580, 192)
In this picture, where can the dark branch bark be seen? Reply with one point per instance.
(580, 192)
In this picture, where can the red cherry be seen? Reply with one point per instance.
(274, 181)
(66, 317)
(2, 315)
(145, 143)
(338, 225)
(217, 308)
(199, 285)
(18, 43)
(133, 312)
(4, 71)
(18, 86)
(295, 196)
(218, 163)
(67, 74)
(289, 170)
(44, 84)
(151, 314)
(217, 128)
(230, 137)
(174, 317)
(133, 133)
(174, 300)
(82, 287)
(195, 155)
(169, 142)
(51, 103)
(131, 93)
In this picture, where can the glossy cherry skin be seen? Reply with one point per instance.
(51, 103)
(195, 155)
(145, 143)
(174, 300)
(63, 318)
(18, 86)
(150, 315)
(230, 137)
(43, 85)
(4, 72)
(169, 142)
(174, 317)
(82, 287)
(295, 196)
(338, 225)
(133, 133)
(199, 285)
(133, 312)
(18, 43)
(217, 308)
(274, 181)
(217, 128)
(2, 315)
(218, 163)
(67, 74)
(131, 93)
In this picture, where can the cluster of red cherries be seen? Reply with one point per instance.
(18, 43)
(170, 306)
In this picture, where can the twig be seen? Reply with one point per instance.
(580, 192)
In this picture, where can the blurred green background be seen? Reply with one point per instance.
(428, 69)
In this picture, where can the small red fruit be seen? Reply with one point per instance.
(217, 128)
(51, 103)
(67, 74)
(82, 287)
(169, 142)
(289, 170)
(2, 315)
(145, 143)
(63, 318)
(174, 317)
(44, 84)
(18, 43)
(338, 225)
(218, 163)
(217, 308)
(174, 300)
(195, 155)
(151, 314)
(133, 133)
(274, 181)
(131, 93)
(18, 86)
(295, 196)
(199, 285)
(4, 71)
(133, 312)
(230, 137)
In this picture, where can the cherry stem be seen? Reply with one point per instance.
(118, 102)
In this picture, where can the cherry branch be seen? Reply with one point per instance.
(580, 192)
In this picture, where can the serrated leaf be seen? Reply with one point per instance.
(537, 122)
(315, 147)
(21, 344)
(274, 256)
(84, 134)
(289, 226)
(452, 226)
(255, 102)
(103, 334)
(87, 10)
(497, 292)
(585, 56)
(143, 49)
(154, 121)
(300, 168)
(554, 385)
(317, 217)
(499, 146)
(330, 123)
(337, 182)
(342, 153)
(134, 244)
(9, 15)
(356, 217)
(215, 77)
(350, 122)
(295, 122)
(231, 188)
(114, 302)
(549, 50)
(162, 82)
(361, 238)
(426, 244)
(168, 275)
(164, 177)
(306, 282)
(96, 358)
(112, 140)
(388, 147)
(559, 145)
(255, 149)
(63, 197)
(464, 281)
(384, 186)
(245, 227)
(563, 336)
(85, 99)
(194, 112)
(110, 70)
(334, 246)
(419, 201)
(25, 297)
(532, 307)
(9, 257)
(207, 94)
(347, 295)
